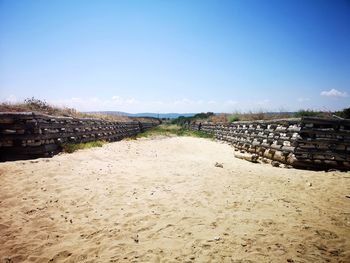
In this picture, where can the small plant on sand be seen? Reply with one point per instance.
(72, 147)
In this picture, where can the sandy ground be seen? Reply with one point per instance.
(163, 200)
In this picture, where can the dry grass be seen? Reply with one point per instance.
(250, 116)
(222, 117)
(42, 107)
(255, 116)
(172, 130)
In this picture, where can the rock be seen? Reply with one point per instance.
(332, 170)
(264, 160)
(220, 165)
(275, 164)
(136, 238)
(286, 166)
(279, 156)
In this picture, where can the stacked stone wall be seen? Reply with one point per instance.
(30, 135)
(302, 142)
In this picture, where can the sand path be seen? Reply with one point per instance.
(163, 200)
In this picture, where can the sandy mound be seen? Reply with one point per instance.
(168, 200)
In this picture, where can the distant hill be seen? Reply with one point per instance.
(144, 114)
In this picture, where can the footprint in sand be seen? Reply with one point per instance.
(325, 234)
(60, 256)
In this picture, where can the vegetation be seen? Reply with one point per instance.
(71, 147)
(200, 116)
(233, 118)
(173, 130)
(310, 113)
(161, 130)
(224, 117)
(43, 107)
(260, 115)
(255, 116)
(345, 113)
(37, 105)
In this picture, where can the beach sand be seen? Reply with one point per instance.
(164, 200)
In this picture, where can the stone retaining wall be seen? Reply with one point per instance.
(30, 135)
(303, 143)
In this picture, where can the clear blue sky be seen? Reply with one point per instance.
(177, 56)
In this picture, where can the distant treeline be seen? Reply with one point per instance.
(200, 116)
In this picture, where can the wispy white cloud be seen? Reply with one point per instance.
(301, 99)
(116, 100)
(231, 102)
(184, 101)
(264, 102)
(334, 93)
(95, 103)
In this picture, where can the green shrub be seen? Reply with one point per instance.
(72, 147)
(182, 119)
(345, 113)
(233, 118)
(307, 113)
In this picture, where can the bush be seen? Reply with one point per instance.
(37, 105)
(345, 113)
(203, 115)
(222, 117)
(307, 113)
(199, 116)
(233, 118)
(42, 106)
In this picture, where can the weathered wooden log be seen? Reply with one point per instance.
(246, 156)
